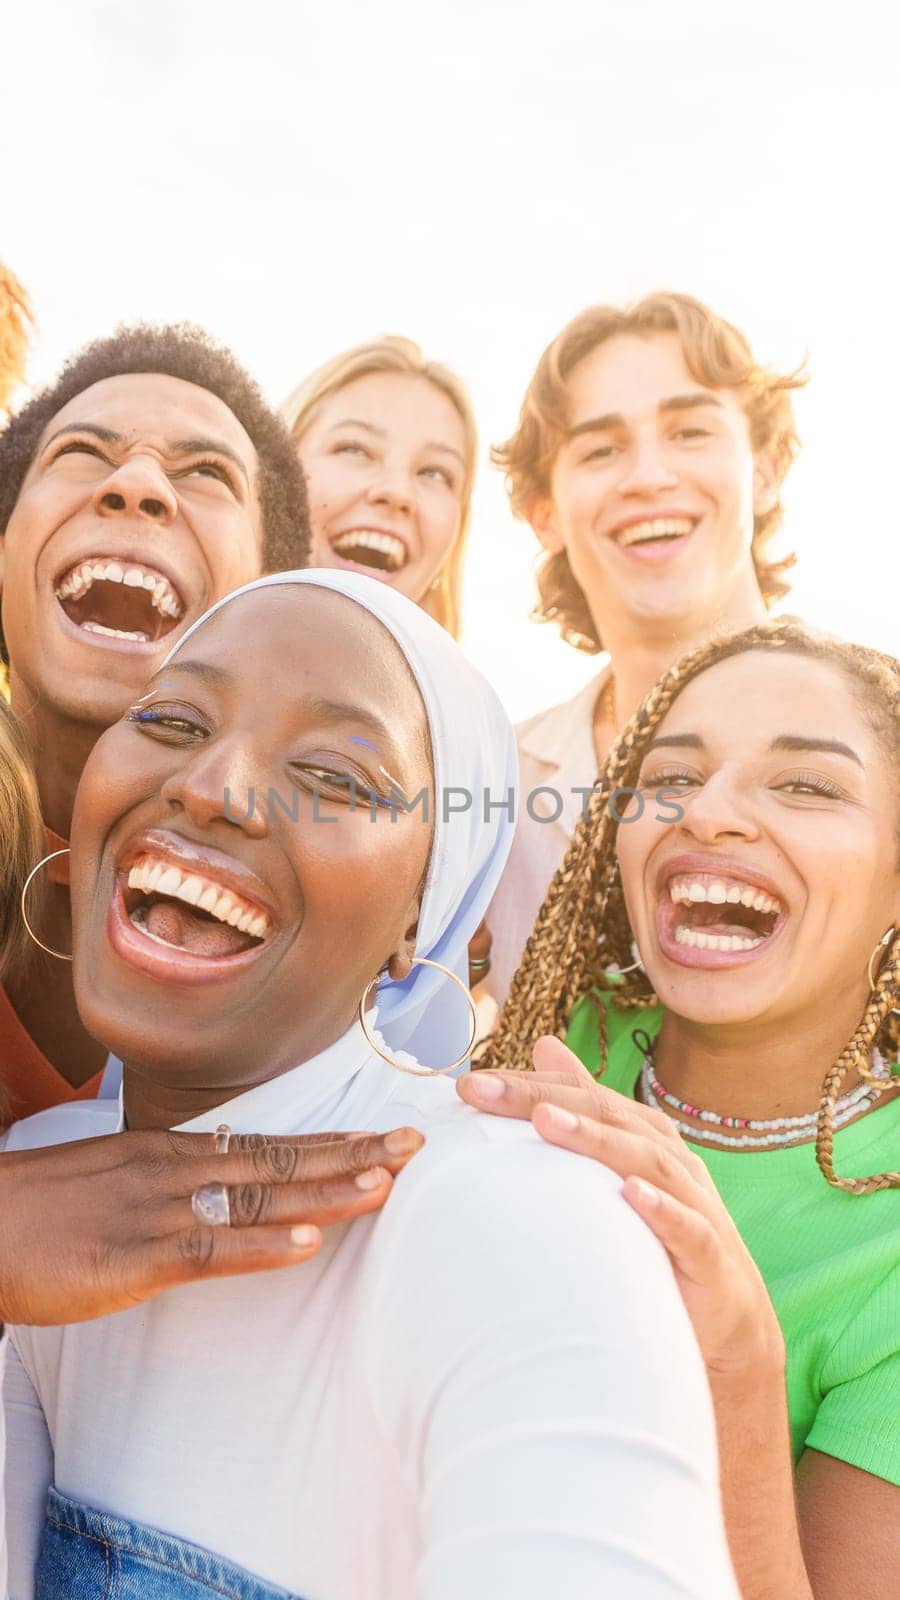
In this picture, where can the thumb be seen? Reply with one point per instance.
(551, 1055)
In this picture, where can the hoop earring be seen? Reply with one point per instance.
(636, 966)
(376, 1044)
(882, 944)
(28, 928)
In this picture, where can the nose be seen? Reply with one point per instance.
(718, 811)
(393, 488)
(647, 470)
(136, 488)
(220, 784)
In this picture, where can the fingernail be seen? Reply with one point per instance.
(373, 1179)
(485, 1088)
(304, 1236)
(564, 1121)
(402, 1142)
(643, 1192)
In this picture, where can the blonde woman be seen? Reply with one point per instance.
(388, 444)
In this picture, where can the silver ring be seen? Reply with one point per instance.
(211, 1205)
(479, 965)
(222, 1137)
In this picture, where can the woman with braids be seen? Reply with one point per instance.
(721, 946)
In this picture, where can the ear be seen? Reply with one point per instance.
(765, 485)
(541, 514)
(400, 962)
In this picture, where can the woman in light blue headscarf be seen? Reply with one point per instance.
(489, 1388)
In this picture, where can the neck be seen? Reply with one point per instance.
(161, 1098)
(760, 1070)
(642, 649)
(59, 748)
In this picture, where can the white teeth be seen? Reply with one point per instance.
(656, 528)
(697, 940)
(157, 877)
(368, 539)
(691, 891)
(113, 633)
(77, 582)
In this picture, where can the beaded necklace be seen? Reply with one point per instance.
(778, 1131)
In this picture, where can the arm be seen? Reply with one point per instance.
(532, 1364)
(28, 1475)
(842, 1508)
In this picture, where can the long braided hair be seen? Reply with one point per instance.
(582, 938)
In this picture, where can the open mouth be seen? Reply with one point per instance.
(718, 913)
(371, 549)
(190, 911)
(119, 600)
(655, 532)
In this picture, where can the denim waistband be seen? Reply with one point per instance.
(95, 1556)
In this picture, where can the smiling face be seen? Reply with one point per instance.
(140, 509)
(782, 875)
(652, 494)
(386, 468)
(231, 902)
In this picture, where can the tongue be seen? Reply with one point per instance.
(175, 923)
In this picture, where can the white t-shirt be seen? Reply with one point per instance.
(490, 1389)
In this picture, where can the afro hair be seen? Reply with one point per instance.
(186, 352)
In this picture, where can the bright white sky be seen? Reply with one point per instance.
(297, 176)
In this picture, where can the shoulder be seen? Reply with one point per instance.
(81, 1119)
(480, 1181)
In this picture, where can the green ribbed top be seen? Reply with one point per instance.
(830, 1260)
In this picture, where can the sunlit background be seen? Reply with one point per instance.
(298, 176)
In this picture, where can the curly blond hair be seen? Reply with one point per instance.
(391, 353)
(582, 933)
(21, 832)
(16, 326)
(717, 356)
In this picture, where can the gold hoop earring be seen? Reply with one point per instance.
(400, 1066)
(882, 944)
(28, 928)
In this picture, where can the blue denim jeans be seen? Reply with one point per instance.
(88, 1555)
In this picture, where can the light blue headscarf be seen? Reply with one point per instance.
(474, 754)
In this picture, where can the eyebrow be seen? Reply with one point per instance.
(615, 419)
(176, 446)
(381, 433)
(785, 741)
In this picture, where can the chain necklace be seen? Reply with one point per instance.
(777, 1131)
